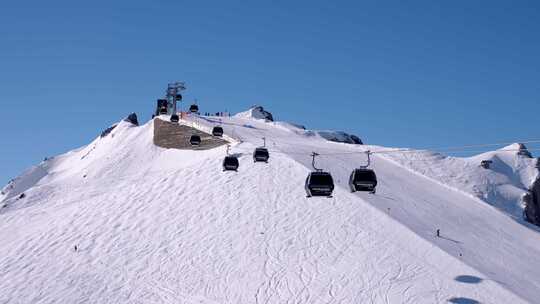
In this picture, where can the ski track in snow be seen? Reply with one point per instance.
(164, 226)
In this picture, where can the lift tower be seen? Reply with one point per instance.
(173, 93)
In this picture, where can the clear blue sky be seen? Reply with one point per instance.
(396, 73)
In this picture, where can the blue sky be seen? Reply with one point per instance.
(422, 74)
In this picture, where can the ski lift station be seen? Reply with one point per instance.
(175, 129)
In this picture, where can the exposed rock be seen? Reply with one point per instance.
(531, 199)
(340, 136)
(356, 140)
(256, 112)
(107, 131)
(132, 118)
(523, 151)
(486, 164)
(176, 136)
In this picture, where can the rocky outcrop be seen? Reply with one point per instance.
(256, 112)
(531, 199)
(176, 136)
(523, 151)
(340, 136)
(132, 118)
(356, 140)
(107, 131)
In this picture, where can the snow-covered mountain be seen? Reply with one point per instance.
(259, 113)
(502, 185)
(256, 112)
(155, 225)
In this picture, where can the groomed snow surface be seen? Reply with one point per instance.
(153, 225)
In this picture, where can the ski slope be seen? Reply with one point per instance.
(502, 186)
(168, 226)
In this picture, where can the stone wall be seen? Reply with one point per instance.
(176, 136)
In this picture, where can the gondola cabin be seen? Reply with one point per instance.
(363, 179)
(217, 131)
(319, 183)
(161, 107)
(261, 155)
(194, 108)
(230, 163)
(174, 118)
(195, 140)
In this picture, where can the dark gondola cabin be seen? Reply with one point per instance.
(217, 131)
(230, 163)
(178, 97)
(195, 140)
(363, 179)
(161, 107)
(319, 183)
(261, 155)
(194, 108)
(175, 118)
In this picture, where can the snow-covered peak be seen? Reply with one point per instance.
(256, 112)
(512, 147)
(259, 113)
(519, 149)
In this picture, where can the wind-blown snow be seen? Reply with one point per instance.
(168, 226)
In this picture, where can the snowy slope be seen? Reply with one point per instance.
(502, 185)
(256, 112)
(168, 226)
(500, 247)
(259, 114)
